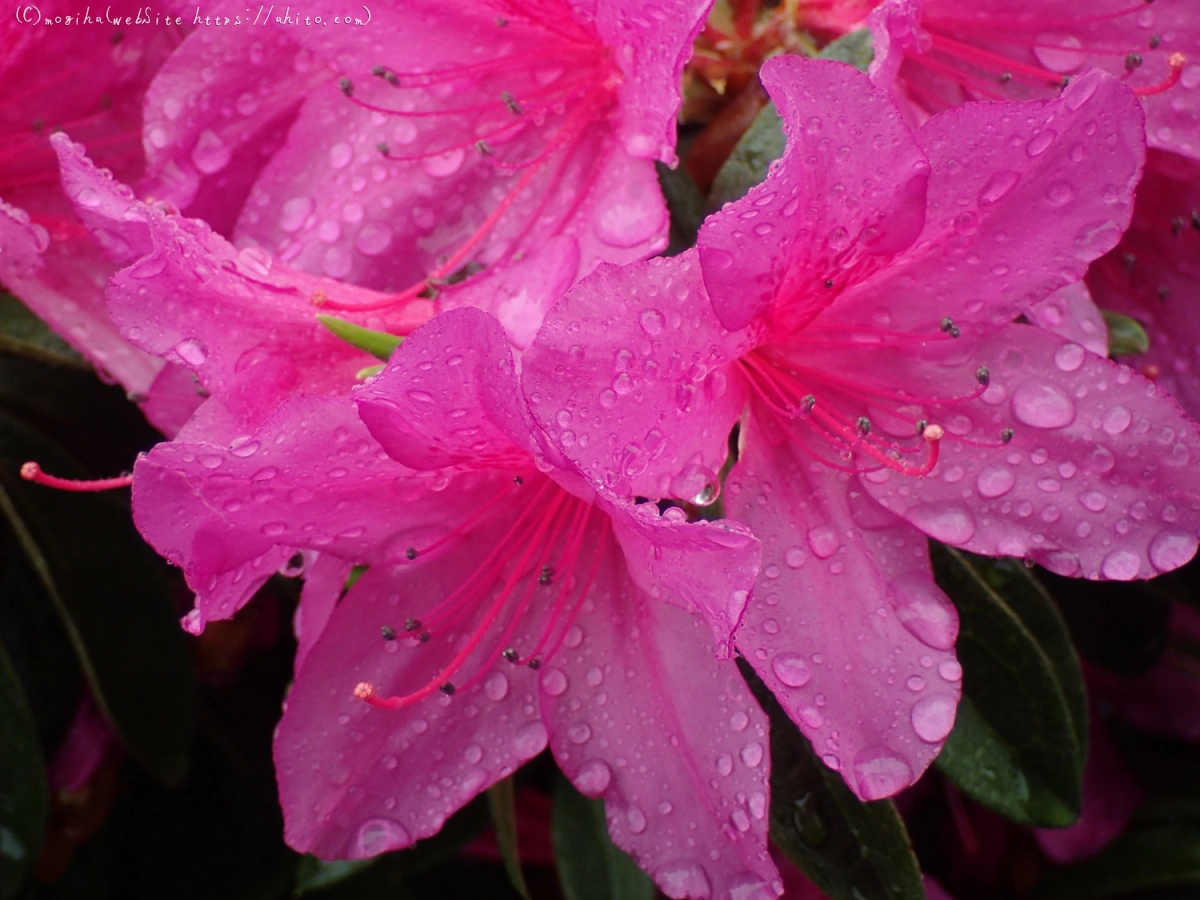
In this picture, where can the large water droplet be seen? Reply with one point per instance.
(652, 321)
(444, 164)
(1042, 405)
(752, 754)
(1116, 420)
(496, 686)
(210, 155)
(1041, 142)
(377, 836)
(923, 609)
(995, 480)
(1121, 565)
(823, 540)
(697, 484)
(1069, 357)
(879, 773)
(554, 682)
(593, 778)
(192, 351)
(636, 819)
(997, 186)
(1171, 549)
(1061, 53)
(949, 523)
(933, 717)
(530, 740)
(791, 669)
(683, 879)
(294, 213)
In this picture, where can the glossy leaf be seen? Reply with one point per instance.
(24, 801)
(855, 48)
(590, 865)
(504, 816)
(1020, 740)
(379, 344)
(23, 333)
(685, 203)
(109, 590)
(1126, 336)
(850, 849)
(1143, 859)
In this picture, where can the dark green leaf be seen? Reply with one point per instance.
(855, 48)
(1142, 859)
(379, 344)
(1126, 336)
(590, 865)
(23, 333)
(685, 204)
(316, 874)
(109, 589)
(762, 144)
(850, 849)
(504, 816)
(1020, 740)
(24, 801)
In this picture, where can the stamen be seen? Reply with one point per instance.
(31, 471)
(388, 632)
(983, 376)
(1006, 435)
(412, 624)
(1176, 61)
(949, 327)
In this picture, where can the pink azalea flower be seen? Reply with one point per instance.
(490, 153)
(944, 53)
(1153, 275)
(48, 258)
(508, 605)
(860, 302)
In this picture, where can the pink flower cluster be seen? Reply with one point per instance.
(895, 324)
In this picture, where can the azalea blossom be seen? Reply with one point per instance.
(859, 303)
(485, 153)
(1153, 275)
(940, 53)
(507, 605)
(47, 257)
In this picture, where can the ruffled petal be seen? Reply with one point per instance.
(641, 714)
(1070, 313)
(628, 376)
(846, 625)
(1099, 478)
(324, 581)
(830, 211)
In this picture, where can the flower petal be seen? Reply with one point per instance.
(324, 582)
(1070, 313)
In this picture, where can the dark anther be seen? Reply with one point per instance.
(1176, 226)
(447, 689)
(1132, 61)
(510, 654)
(1155, 40)
(864, 425)
(1164, 292)
(1129, 260)
(1196, 219)
(383, 148)
(828, 283)
(982, 375)
(1005, 77)
(922, 424)
(1006, 435)
(807, 402)
(411, 552)
(378, 71)
(511, 102)
(392, 78)
(949, 327)
(388, 632)
(117, 37)
(518, 480)
(423, 637)
(547, 575)
(412, 624)
(501, 23)
(483, 147)
(346, 86)
(535, 663)
(38, 124)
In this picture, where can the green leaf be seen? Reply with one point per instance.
(379, 344)
(1141, 860)
(590, 865)
(314, 874)
(504, 816)
(850, 849)
(24, 799)
(110, 591)
(855, 48)
(24, 334)
(1126, 336)
(1020, 740)
(685, 203)
(761, 145)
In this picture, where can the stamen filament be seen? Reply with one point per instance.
(31, 471)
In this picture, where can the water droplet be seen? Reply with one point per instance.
(340, 155)
(740, 820)
(915, 683)
(995, 480)
(923, 609)
(1040, 142)
(554, 682)
(1061, 53)
(1042, 405)
(823, 541)
(496, 686)
(443, 165)
(1069, 357)
(933, 717)
(247, 104)
(1116, 420)
(192, 351)
(373, 239)
(724, 764)
(739, 721)
(997, 186)
(683, 879)
(210, 155)
(791, 669)
(697, 484)
(1093, 501)
(626, 217)
(530, 740)
(652, 322)
(579, 733)
(294, 213)
(839, 239)
(794, 557)
(593, 778)
(949, 523)
(1120, 565)
(1171, 549)
(752, 754)
(880, 773)
(636, 819)
(950, 670)
(377, 836)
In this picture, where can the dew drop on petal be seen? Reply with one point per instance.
(1061, 53)
(210, 154)
(443, 165)
(997, 186)
(554, 681)
(377, 836)
(879, 772)
(1121, 565)
(530, 740)
(949, 523)
(636, 819)
(1042, 405)
(933, 716)
(593, 778)
(791, 669)
(752, 754)
(995, 480)
(1170, 549)
(950, 670)
(683, 879)
(1069, 357)
(496, 686)
(924, 611)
